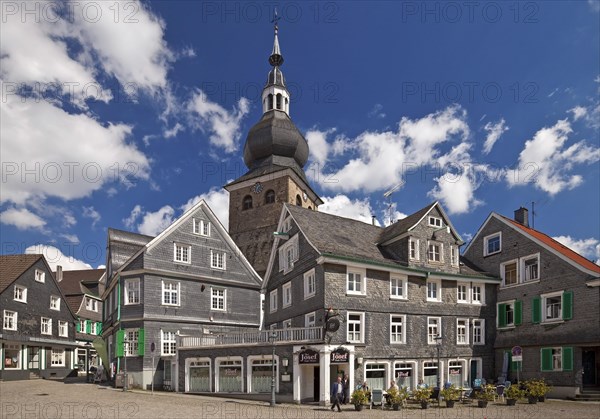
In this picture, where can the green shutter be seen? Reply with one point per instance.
(518, 312)
(567, 308)
(501, 315)
(141, 342)
(546, 359)
(536, 311)
(567, 358)
(88, 326)
(78, 325)
(99, 328)
(120, 340)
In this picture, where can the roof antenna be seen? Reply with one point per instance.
(387, 195)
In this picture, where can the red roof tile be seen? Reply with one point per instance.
(13, 266)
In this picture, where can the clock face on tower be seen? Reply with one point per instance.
(257, 188)
(305, 196)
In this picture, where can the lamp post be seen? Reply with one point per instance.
(438, 343)
(272, 339)
(87, 361)
(125, 350)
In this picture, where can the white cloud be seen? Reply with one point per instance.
(318, 145)
(55, 257)
(594, 5)
(494, 133)
(170, 133)
(153, 223)
(376, 111)
(70, 238)
(21, 218)
(343, 206)
(548, 164)
(90, 212)
(578, 112)
(590, 248)
(133, 216)
(457, 190)
(223, 126)
(218, 201)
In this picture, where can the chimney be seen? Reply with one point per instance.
(59, 273)
(522, 216)
(373, 219)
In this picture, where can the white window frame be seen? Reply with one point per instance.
(132, 289)
(438, 329)
(8, 317)
(556, 354)
(12, 347)
(544, 309)
(46, 326)
(40, 276)
(352, 272)
(288, 254)
(403, 287)
(273, 301)
(286, 293)
(20, 294)
(309, 277)
(180, 258)
(467, 296)
(63, 329)
(360, 323)
(510, 303)
(215, 263)
(201, 227)
(83, 327)
(478, 324)
(440, 251)
(57, 357)
(93, 328)
(218, 294)
(131, 342)
(171, 291)
(464, 334)
(286, 324)
(394, 324)
(55, 303)
(433, 221)
(481, 300)
(438, 284)
(168, 339)
(412, 241)
(523, 270)
(486, 240)
(503, 272)
(91, 304)
(310, 319)
(454, 255)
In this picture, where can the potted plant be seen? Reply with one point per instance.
(536, 390)
(359, 398)
(486, 395)
(450, 395)
(512, 394)
(397, 396)
(544, 388)
(422, 395)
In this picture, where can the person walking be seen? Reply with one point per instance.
(346, 385)
(337, 393)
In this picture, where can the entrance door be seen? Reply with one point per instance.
(34, 358)
(316, 384)
(473, 371)
(588, 360)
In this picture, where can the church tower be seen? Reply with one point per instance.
(275, 154)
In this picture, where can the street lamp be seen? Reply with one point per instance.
(125, 350)
(272, 339)
(438, 344)
(87, 361)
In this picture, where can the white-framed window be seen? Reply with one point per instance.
(434, 327)
(57, 357)
(478, 294)
(9, 320)
(132, 291)
(509, 271)
(492, 244)
(462, 331)
(202, 227)
(434, 290)
(63, 329)
(506, 314)
(91, 304)
(288, 254)
(82, 326)
(435, 221)
(462, 292)
(286, 291)
(397, 328)
(12, 357)
(273, 301)
(54, 303)
(478, 331)
(287, 324)
(20, 294)
(413, 249)
(552, 305)
(170, 293)
(310, 319)
(218, 299)
(46, 326)
(93, 328)
(530, 267)
(355, 328)
(398, 287)
(40, 276)
(131, 342)
(310, 285)
(217, 259)
(182, 253)
(435, 252)
(356, 281)
(168, 343)
(454, 259)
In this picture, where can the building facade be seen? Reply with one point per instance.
(38, 327)
(548, 303)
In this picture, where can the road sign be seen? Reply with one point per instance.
(517, 353)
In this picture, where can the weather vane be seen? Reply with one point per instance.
(276, 18)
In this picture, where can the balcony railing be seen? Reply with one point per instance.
(260, 337)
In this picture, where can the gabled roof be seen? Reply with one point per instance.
(75, 284)
(13, 266)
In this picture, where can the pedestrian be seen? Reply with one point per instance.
(337, 393)
(346, 385)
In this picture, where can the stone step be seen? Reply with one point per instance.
(588, 397)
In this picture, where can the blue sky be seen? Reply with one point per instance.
(125, 114)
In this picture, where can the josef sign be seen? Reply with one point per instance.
(308, 356)
(340, 356)
(517, 353)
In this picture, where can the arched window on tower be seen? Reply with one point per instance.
(287, 105)
(278, 101)
(247, 202)
(270, 196)
(270, 102)
(309, 207)
(298, 200)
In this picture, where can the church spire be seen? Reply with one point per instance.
(275, 96)
(276, 59)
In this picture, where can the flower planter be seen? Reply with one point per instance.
(396, 406)
(532, 399)
(482, 403)
(449, 403)
(511, 402)
(424, 405)
(542, 399)
(358, 407)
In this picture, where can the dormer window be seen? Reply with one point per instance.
(247, 203)
(434, 252)
(413, 249)
(435, 221)
(492, 244)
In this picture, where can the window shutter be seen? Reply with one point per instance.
(567, 358)
(546, 359)
(141, 342)
(88, 326)
(99, 328)
(567, 308)
(78, 325)
(281, 259)
(518, 313)
(536, 312)
(120, 346)
(501, 315)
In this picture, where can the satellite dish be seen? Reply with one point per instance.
(332, 325)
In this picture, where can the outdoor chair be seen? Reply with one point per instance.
(499, 393)
(376, 398)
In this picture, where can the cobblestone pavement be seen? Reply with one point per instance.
(53, 399)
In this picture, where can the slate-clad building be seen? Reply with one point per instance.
(548, 303)
(38, 327)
